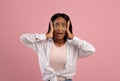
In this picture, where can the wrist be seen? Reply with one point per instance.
(71, 37)
(48, 36)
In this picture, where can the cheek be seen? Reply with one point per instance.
(65, 29)
(54, 29)
(65, 32)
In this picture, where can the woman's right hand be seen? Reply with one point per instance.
(50, 34)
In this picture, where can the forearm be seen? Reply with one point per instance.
(32, 38)
(82, 44)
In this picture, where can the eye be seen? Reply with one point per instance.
(56, 24)
(64, 25)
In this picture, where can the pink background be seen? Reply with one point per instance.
(97, 21)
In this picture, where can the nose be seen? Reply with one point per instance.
(59, 27)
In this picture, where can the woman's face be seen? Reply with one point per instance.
(60, 26)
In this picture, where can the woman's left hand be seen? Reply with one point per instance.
(69, 34)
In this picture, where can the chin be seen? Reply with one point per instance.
(59, 38)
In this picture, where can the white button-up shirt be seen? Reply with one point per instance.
(76, 48)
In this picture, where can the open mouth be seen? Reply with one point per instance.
(59, 33)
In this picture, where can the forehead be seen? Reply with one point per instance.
(60, 20)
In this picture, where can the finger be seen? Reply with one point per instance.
(68, 24)
(51, 25)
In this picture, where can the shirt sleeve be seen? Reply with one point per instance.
(84, 48)
(31, 40)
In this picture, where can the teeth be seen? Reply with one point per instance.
(59, 33)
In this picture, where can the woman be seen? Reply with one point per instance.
(58, 50)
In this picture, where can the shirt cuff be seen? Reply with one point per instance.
(39, 37)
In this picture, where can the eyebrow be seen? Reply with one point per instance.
(60, 22)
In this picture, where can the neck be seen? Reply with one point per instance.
(59, 42)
